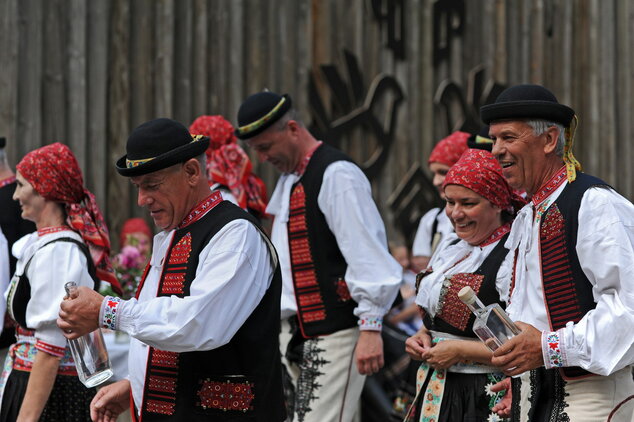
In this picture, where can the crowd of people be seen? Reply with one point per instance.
(229, 320)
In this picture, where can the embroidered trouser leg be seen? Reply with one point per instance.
(542, 395)
(327, 384)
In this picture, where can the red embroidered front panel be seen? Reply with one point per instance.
(160, 383)
(451, 309)
(342, 290)
(181, 251)
(173, 283)
(558, 283)
(309, 299)
(226, 395)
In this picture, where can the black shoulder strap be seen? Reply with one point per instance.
(82, 247)
(434, 227)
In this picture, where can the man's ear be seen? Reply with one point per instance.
(550, 139)
(193, 171)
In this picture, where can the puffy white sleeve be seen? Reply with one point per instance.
(605, 246)
(51, 267)
(373, 276)
(235, 269)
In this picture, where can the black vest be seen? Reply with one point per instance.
(11, 222)
(459, 321)
(240, 381)
(567, 290)
(318, 267)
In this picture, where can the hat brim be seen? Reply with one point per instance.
(527, 109)
(178, 155)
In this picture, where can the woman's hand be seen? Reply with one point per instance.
(444, 354)
(418, 344)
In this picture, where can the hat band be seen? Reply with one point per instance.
(134, 163)
(482, 140)
(258, 123)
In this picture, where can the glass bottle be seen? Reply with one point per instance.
(89, 353)
(492, 325)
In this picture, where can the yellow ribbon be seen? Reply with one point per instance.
(572, 165)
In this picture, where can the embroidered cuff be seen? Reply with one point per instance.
(553, 353)
(109, 312)
(370, 323)
(50, 349)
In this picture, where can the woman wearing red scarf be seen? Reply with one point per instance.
(71, 244)
(229, 167)
(454, 379)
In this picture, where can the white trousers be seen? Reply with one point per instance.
(327, 385)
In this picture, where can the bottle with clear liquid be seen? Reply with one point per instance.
(89, 353)
(492, 325)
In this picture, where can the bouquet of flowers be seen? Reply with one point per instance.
(128, 265)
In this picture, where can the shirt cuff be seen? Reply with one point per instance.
(109, 313)
(370, 323)
(50, 349)
(552, 349)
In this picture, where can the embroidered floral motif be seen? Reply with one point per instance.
(342, 290)
(553, 355)
(549, 187)
(553, 225)
(226, 395)
(451, 309)
(496, 235)
(109, 319)
(371, 323)
(162, 407)
(309, 370)
(48, 230)
(181, 251)
(201, 209)
(173, 284)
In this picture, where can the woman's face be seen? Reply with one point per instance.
(474, 218)
(31, 202)
(439, 171)
(139, 240)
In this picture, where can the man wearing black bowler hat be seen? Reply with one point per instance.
(573, 283)
(205, 321)
(337, 275)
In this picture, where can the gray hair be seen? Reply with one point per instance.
(291, 114)
(202, 160)
(540, 126)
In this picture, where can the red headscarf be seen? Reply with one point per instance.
(228, 164)
(54, 173)
(134, 225)
(479, 171)
(448, 150)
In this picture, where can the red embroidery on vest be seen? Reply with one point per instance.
(558, 284)
(180, 251)
(173, 284)
(226, 395)
(309, 299)
(342, 290)
(159, 406)
(164, 359)
(451, 309)
(160, 384)
(164, 384)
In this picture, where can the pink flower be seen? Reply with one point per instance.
(129, 257)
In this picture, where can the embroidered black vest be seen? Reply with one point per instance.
(567, 290)
(240, 381)
(318, 267)
(453, 316)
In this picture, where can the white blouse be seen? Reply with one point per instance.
(423, 239)
(4, 273)
(373, 276)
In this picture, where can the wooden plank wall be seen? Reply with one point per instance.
(87, 72)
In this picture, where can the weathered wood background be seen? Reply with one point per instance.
(86, 72)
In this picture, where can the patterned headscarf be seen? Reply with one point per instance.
(134, 225)
(479, 171)
(448, 150)
(54, 173)
(229, 165)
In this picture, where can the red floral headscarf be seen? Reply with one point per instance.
(448, 150)
(479, 171)
(228, 164)
(134, 225)
(54, 173)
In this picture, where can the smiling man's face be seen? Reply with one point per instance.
(521, 154)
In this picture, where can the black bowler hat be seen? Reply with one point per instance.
(525, 102)
(158, 144)
(3, 142)
(259, 111)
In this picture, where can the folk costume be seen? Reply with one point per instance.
(573, 275)
(205, 321)
(47, 259)
(462, 392)
(338, 277)
(435, 225)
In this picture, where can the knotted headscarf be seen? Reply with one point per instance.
(448, 150)
(479, 171)
(54, 173)
(228, 164)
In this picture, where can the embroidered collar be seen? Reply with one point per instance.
(7, 181)
(48, 230)
(201, 209)
(496, 235)
(549, 187)
(301, 167)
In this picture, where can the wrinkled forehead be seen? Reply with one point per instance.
(499, 126)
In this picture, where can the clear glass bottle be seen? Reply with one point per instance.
(89, 353)
(492, 325)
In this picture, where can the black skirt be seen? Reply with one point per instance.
(465, 398)
(69, 399)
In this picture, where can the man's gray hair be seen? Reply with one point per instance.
(291, 114)
(202, 160)
(540, 126)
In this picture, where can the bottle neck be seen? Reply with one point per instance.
(477, 307)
